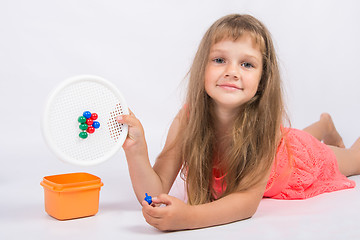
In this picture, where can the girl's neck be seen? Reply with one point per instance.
(224, 119)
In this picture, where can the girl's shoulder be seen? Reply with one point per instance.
(176, 123)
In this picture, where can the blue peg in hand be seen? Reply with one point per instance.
(148, 198)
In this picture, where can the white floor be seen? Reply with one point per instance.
(22, 215)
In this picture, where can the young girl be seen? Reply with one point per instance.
(229, 141)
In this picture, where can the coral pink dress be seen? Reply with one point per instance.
(304, 167)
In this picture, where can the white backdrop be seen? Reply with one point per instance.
(145, 48)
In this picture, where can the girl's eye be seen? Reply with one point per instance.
(247, 65)
(219, 60)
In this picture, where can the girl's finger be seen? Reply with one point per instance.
(155, 212)
(151, 220)
(131, 112)
(162, 199)
(151, 211)
(130, 120)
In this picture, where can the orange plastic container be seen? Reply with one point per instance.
(71, 195)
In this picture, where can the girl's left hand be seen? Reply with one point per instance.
(174, 216)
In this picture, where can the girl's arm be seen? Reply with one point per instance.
(177, 215)
(144, 178)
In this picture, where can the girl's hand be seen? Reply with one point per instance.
(136, 136)
(175, 215)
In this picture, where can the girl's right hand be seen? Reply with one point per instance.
(136, 137)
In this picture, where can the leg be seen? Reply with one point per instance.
(324, 130)
(348, 159)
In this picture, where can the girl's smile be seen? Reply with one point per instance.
(229, 86)
(233, 72)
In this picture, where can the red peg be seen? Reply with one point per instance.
(90, 129)
(94, 116)
(89, 121)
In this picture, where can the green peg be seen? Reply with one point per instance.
(83, 135)
(83, 126)
(81, 119)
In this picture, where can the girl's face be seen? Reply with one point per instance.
(233, 72)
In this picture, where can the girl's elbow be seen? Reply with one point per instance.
(250, 213)
(251, 210)
(244, 215)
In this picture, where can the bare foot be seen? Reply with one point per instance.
(356, 145)
(355, 148)
(332, 137)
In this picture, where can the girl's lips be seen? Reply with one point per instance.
(230, 86)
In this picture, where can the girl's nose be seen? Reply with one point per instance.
(232, 72)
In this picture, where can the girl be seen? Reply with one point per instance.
(229, 141)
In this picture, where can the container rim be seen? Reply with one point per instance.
(71, 182)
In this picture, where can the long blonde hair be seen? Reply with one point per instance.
(256, 130)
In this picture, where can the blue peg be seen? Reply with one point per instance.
(87, 114)
(148, 198)
(96, 124)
